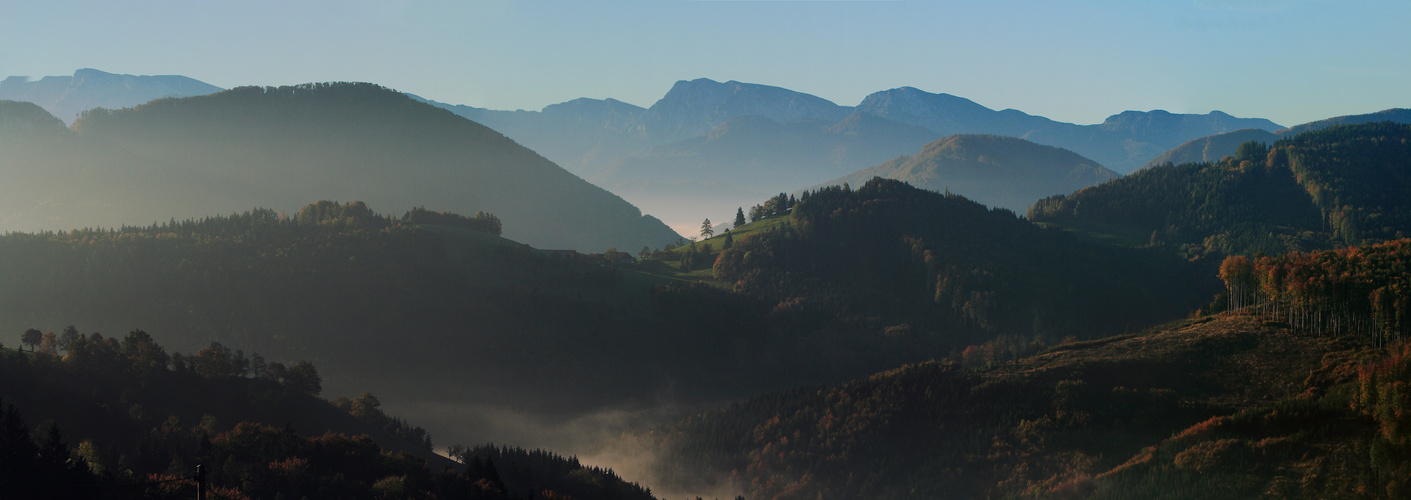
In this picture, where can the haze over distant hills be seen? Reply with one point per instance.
(692, 108)
(994, 170)
(643, 154)
(707, 146)
(67, 96)
(280, 147)
(1211, 148)
(1215, 147)
(575, 134)
(751, 158)
(1122, 143)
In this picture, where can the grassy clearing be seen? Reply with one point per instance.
(667, 266)
(1099, 233)
(717, 242)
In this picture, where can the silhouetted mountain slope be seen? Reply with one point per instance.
(947, 272)
(1122, 143)
(751, 158)
(281, 147)
(67, 96)
(18, 117)
(1212, 148)
(997, 171)
(460, 326)
(1341, 185)
(1395, 115)
(125, 419)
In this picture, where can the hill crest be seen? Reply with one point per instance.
(999, 171)
(279, 147)
(66, 97)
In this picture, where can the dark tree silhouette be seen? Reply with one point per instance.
(32, 337)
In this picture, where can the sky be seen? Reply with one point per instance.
(1290, 61)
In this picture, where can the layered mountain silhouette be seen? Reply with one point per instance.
(685, 157)
(1215, 147)
(994, 170)
(1211, 148)
(750, 158)
(578, 135)
(279, 147)
(1123, 142)
(693, 108)
(67, 96)
(584, 135)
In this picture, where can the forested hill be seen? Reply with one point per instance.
(998, 171)
(1397, 115)
(22, 117)
(384, 304)
(89, 417)
(1289, 397)
(1321, 189)
(940, 268)
(1222, 408)
(471, 325)
(468, 324)
(280, 147)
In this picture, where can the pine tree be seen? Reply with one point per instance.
(739, 217)
(706, 230)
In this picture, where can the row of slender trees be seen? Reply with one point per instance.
(1360, 290)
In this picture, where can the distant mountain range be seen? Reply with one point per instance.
(681, 158)
(67, 96)
(707, 147)
(994, 170)
(1123, 142)
(279, 148)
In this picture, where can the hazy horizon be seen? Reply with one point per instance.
(1248, 58)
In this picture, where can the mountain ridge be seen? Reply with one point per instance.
(66, 97)
(1121, 143)
(998, 171)
(321, 141)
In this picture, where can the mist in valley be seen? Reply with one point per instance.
(461, 250)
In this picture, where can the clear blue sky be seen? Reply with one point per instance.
(1290, 61)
